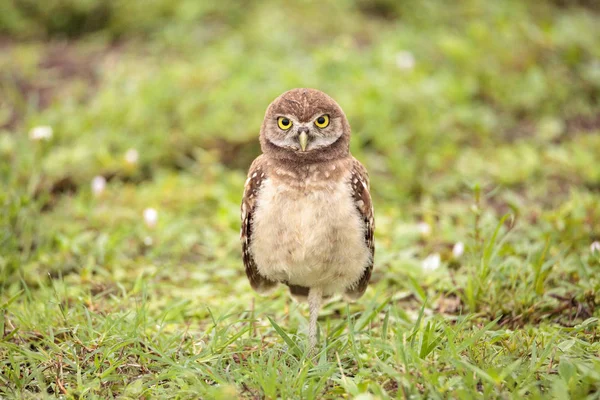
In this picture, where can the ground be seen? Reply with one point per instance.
(478, 121)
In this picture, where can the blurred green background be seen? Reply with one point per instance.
(462, 112)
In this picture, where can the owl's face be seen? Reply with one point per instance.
(289, 132)
(305, 124)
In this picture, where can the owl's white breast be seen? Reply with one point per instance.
(309, 236)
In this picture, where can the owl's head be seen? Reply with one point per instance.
(304, 126)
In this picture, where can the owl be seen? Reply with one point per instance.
(307, 216)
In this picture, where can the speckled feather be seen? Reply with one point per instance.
(253, 183)
(362, 199)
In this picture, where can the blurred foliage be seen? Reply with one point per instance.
(490, 79)
(463, 113)
(115, 18)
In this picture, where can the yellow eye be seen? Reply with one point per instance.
(322, 121)
(284, 123)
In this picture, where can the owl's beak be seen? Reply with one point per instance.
(303, 140)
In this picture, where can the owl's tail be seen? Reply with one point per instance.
(315, 296)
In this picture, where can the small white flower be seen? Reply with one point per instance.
(405, 60)
(458, 249)
(365, 396)
(424, 228)
(150, 217)
(432, 262)
(148, 241)
(98, 185)
(41, 133)
(595, 247)
(132, 156)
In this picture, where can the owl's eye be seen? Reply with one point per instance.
(322, 121)
(284, 123)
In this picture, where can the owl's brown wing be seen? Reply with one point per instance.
(256, 176)
(359, 181)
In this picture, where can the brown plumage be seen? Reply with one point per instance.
(307, 216)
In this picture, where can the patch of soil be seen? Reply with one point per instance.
(572, 126)
(591, 5)
(582, 123)
(568, 312)
(64, 62)
(379, 9)
(238, 155)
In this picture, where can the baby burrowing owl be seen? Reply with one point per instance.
(307, 216)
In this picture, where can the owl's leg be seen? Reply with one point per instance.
(315, 295)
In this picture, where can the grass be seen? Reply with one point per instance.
(479, 125)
